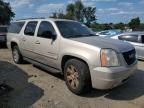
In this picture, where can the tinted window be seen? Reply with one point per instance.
(3, 29)
(30, 28)
(142, 38)
(44, 29)
(15, 27)
(71, 29)
(129, 37)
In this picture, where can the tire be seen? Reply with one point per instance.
(17, 57)
(78, 81)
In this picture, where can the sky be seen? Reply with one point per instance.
(108, 11)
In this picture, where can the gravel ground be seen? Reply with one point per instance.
(36, 88)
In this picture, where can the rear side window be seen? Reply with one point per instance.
(15, 27)
(30, 28)
(3, 29)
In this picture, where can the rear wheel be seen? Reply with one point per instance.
(17, 57)
(77, 76)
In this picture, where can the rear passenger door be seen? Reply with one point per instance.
(27, 43)
(46, 48)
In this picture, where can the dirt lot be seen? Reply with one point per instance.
(36, 88)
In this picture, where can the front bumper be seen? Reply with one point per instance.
(107, 78)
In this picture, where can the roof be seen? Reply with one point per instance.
(52, 19)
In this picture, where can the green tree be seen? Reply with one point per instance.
(79, 10)
(70, 11)
(6, 13)
(97, 27)
(134, 23)
(74, 11)
(59, 15)
(54, 15)
(89, 15)
(141, 28)
(120, 26)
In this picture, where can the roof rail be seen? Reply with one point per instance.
(31, 18)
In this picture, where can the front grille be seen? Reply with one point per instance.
(130, 56)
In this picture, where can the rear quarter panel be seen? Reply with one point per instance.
(11, 37)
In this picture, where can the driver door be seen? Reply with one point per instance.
(46, 47)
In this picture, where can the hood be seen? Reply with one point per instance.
(101, 42)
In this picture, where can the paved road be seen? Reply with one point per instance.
(36, 88)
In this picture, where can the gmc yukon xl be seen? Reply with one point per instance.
(69, 47)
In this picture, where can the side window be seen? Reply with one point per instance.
(142, 38)
(46, 30)
(15, 27)
(30, 28)
(129, 37)
(3, 29)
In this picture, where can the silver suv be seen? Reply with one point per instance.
(69, 47)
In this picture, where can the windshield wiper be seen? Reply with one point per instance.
(75, 36)
(91, 35)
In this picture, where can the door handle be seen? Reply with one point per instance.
(37, 42)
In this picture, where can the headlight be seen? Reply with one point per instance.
(109, 58)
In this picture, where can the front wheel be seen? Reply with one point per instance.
(77, 76)
(17, 57)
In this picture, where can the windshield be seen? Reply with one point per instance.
(71, 29)
(3, 29)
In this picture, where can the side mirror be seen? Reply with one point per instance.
(53, 37)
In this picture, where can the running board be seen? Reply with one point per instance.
(43, 66)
